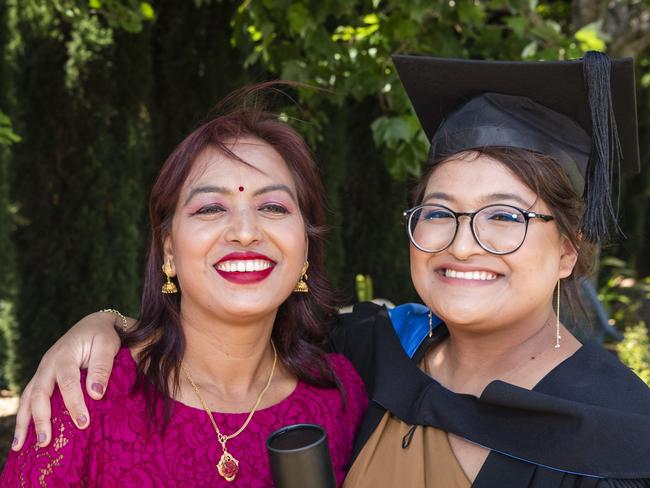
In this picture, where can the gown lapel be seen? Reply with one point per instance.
(552, 427)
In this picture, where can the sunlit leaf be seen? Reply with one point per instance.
(645, 80)
(371, 19)
(530, 50)
(255, 34)
(7, 135)
(591, 37)
(147, 10)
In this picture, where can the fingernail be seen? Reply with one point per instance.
(82, 419)
(14, 443)
(97, 388)
(41, 437)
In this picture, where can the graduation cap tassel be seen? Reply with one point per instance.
(605, 149)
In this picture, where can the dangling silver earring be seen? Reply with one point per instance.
(557, 319)
(430, 324)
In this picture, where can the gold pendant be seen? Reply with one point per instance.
(228, 466)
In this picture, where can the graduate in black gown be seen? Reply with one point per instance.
(573, 419)
(483, 385)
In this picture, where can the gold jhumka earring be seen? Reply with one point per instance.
(301, 286)
(169, 286)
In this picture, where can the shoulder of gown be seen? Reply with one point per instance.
(590, 416)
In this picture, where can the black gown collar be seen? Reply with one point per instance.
(589, 416)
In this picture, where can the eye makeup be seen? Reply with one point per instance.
(277, 200)
(199, 205)
(274, 195)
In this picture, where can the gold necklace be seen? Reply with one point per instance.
(228, 466)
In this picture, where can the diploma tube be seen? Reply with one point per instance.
(300, 457)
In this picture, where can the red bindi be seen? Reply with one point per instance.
(241, 188)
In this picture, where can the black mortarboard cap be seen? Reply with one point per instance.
(581, 112)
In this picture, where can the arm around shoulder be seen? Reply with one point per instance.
(92, 343)
(63, 462)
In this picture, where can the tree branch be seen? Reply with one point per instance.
(628, 25)
(587, 11)
(625, 22)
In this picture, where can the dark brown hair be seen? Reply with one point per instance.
(302, 323)
(551, 183)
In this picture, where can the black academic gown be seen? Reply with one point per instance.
(586, 424)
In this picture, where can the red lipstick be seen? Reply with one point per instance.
(244, 267)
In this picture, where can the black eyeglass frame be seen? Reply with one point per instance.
(528, 215)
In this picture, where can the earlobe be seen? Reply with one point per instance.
(167, 247)
(168, 255)
(568, 258)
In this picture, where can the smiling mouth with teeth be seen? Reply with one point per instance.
(243, 265)
(469, 275)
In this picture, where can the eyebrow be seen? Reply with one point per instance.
(279, 187)
(206, 189)
(226, 191)
(491, 197)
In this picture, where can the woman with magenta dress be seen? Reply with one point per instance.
(483, 385)
(228, 346)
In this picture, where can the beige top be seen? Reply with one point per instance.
(427, 462)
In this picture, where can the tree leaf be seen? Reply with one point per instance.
(300, 21)
(147, 10)
(518, 25)
(470, 12)
(591, 37)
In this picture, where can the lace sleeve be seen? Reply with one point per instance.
(61, 463)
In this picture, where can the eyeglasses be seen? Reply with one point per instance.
(499, 229)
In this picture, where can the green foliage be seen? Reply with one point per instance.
(346, 48)
(79, 183)
(624, 296)
(7, 210)
(88, 39)
(365, 291)
(7, 134)
(128, 15)
(101, 91)
(7, 353)
(634, 350)
(404, 158)
(622, 293)
(7, 274)
(591, 37)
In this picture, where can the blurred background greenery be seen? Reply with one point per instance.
(95, 93)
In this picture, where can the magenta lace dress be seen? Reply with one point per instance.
(120, 449)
